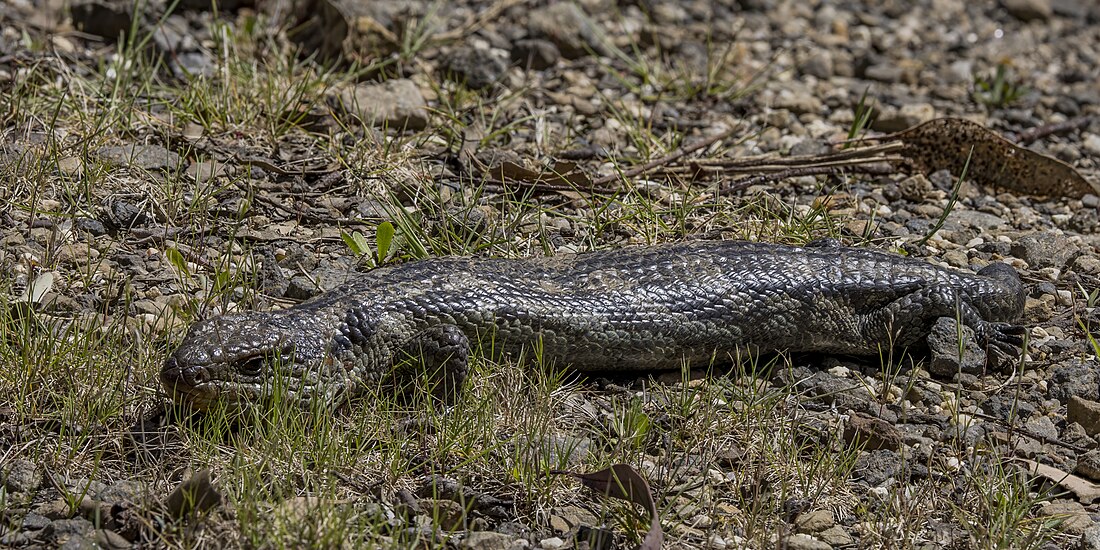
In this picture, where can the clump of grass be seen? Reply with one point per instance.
(864, 116)
(998, 88)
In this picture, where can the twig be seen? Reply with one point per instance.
(1039, 132)
(665, 160)
(862, 153)
(477, 21)
(876, 169)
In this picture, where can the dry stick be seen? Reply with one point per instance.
(542, 185)
(780, 167)
(864, 153)
(1039, 132)
(875, 169)
(477, 21)
(667, 159)
(783, 168)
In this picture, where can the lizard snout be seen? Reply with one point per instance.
(174, 376)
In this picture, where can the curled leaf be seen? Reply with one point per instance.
(1085, 490)
(623, 482)
(945, 144)
(196, 494)
(37, 288)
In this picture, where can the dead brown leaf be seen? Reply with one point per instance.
(1085, 490)
(946, 143)
(623, 482)
(196, 494)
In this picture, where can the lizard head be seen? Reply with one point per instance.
(242, 360)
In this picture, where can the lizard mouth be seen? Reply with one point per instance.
(192, 385)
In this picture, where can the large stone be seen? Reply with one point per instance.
(815, 521)
(1044, 249)
(394, 103)
(1076, 518)
(145, 157)
(488, 540)
(21, 476)
(569, 28)
(477, 68)
(954, 349)
(1028, 10)
(802, 541)
(1088, 465)
(1084, 412)
(873, 433)
(877, 467)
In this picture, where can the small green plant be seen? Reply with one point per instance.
(864, 116)
(359, 246)
(999, 89)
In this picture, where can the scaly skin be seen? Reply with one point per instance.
(634, 309)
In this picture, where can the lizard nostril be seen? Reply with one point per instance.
(196, 375)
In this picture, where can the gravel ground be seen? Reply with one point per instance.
(136, 223)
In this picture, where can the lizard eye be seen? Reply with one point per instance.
(252, 367)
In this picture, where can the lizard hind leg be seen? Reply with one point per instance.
(438, 355)
(908, 319)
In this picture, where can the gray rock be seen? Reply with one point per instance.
(896, 120)
(569, 28)
(567, 518)
(1084, 412)
(14, 539)
(1028, 10)
(819, 64)
(958, 72)
(1088, 465)
(1002, 407)
(798, 102)
(836, 536)
(1044, 249)
(125, 490)
(1072, 8)
(1090, 538)
(889, 73)
(394, 103)
(63, 529)
(535, 54)
(1092, 144)
(95, 227)
(915, 188)
(489, 540)
(946, 358)
(980, 220)
(35, 522)
(477, 68)
(802, 541)
(832, 390)
(110, 540)
(1076, 518)
(21, 476)
(876, 467)
(1042, 426)
(815, 521)
(145, 157)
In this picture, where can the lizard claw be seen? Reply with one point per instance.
(1006, 333)
(1004, 342)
